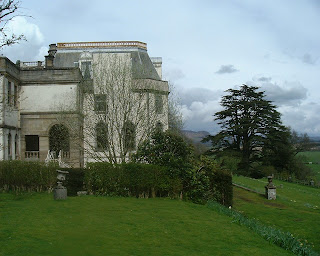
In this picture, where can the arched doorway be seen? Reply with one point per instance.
(59, 139)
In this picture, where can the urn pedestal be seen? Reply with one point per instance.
(271, 192)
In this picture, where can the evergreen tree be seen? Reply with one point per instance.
(249, 122)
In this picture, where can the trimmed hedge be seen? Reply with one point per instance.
(132, 179)
(209, 182)
(146, 180)
(18, 176)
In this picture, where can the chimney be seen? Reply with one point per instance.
(50, 57)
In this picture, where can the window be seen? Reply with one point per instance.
(129, 132)
(15, 96)
(32, 142)
(16, 146)
(59, 139)
(9, 93)
(158, 104)
(101, 136)
(86, 69)
(9, 146)
(100, 104)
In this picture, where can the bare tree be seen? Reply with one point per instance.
(117, 111)
(174, 115)
(8, 10)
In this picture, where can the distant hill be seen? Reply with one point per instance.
(196, 137)
(315, 138)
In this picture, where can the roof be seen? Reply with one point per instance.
(142, 67)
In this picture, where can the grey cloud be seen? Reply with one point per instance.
(200, 116)
(304, 119)
(264, 79)
(226, 69)
(307, 58)
(290, 93)
(188, 96)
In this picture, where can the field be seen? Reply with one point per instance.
(314, 158)
(35, 224)
(296, 209)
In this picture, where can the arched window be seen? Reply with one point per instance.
(59, 139)
(101, 136)
(129, 133)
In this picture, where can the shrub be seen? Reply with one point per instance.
(166, 149)
(26, 176)
(210, 182)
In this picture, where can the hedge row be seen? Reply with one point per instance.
(132, 179)
(27, 176)
(146, 180)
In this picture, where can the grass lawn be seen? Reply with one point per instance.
(314, 157)
(35, 224)
(311, 156)
(296, 209)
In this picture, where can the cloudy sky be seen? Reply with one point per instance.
(207, 46)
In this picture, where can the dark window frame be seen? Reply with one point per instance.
(158, 103)
(129, 133)
(101, 130)
(100, 103)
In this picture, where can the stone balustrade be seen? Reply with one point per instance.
(31, 64)
(32, 154)
(112, 44)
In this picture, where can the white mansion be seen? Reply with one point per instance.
(86, 102)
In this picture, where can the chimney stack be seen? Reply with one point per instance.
(50, 57)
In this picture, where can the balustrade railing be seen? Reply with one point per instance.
(32, 64)
(32, 154)
(103, 44)
(65, 154)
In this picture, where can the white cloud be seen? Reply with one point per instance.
(200, 116)
(20, 25)
(26, 50)
(43, 51)
(173, 74)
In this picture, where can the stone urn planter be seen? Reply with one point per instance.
(60, 192)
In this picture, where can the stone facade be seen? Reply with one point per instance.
(42, 100)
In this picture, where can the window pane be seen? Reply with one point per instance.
(129, 136)
(158, 104)
(9, 92)
(32, 142)
(100, 102)
(102, 136)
